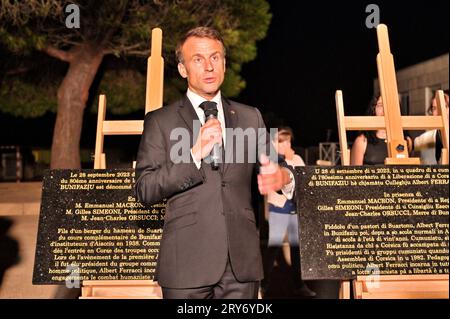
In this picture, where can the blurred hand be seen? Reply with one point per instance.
(271, 177)
(210, 134)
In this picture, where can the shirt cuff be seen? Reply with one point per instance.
(197, 163)
(288, 189)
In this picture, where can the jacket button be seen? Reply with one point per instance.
(224, 184)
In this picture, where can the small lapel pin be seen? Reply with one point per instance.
(232, 112)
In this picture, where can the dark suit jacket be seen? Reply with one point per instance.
(209, 213)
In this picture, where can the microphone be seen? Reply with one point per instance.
(210, 109)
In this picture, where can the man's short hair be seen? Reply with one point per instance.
(199, 32)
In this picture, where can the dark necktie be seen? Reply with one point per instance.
(209, 108)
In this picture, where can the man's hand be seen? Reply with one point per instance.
(210, 134)
(271, 177)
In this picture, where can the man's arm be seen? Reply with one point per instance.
(272, 177)
(156, 177)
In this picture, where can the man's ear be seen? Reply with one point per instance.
(224, 65)
(182, 70)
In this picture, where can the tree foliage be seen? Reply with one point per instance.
(40, 25)
(110, 27)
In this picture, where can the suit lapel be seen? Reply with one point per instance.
(231, 120)
(188, 114)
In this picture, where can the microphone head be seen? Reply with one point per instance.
(210, 109)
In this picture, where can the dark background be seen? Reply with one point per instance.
(311, 50)
(315, 48)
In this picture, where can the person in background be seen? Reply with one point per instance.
(370, 147)
(431, 140)
(283, 219)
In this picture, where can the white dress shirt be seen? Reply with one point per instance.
(196, 100)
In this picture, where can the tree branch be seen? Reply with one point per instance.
(143, 53)
(122, 48)
(59, 54)
(118, 17)
(18, 70)
(138, 53)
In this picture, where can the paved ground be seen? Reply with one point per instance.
(20, 198)
(17, 281)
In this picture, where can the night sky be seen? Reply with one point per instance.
(311, 50)
(314, 48)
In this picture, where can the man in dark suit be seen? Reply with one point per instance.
(210, 244)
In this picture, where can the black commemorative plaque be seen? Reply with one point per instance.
(366, 220)
(91, 227)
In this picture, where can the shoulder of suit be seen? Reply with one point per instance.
(168, 110)
(239, 107)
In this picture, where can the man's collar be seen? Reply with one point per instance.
(196, 99)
